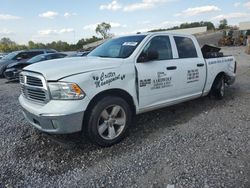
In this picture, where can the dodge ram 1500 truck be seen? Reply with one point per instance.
(100, 93)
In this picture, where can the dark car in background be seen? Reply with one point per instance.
(2, 55)
(79, 54)
(21, 56)
(13, 69)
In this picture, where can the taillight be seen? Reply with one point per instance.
(235, 67)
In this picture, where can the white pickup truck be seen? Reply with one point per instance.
(100, 93)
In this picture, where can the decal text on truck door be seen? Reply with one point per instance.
(163, 81)
(107, 78)
(193, 76)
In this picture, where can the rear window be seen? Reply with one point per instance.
(185, 47)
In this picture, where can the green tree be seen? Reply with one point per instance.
(7, 41)
(7, 45)
(31, 45)
(223, 24)
(103, 29)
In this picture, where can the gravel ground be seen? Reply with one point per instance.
(201, 143)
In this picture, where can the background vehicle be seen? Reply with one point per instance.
(20, 56)
(2, 55)
(80, 54)
(124, 76)
(13, 69)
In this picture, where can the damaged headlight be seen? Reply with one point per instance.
(65, 91)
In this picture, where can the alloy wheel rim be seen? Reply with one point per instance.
(111, 122)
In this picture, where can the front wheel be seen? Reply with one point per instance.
(109, 121)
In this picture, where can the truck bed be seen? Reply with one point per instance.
(210, 52)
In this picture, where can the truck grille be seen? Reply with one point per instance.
(33, 87)
(33, 81)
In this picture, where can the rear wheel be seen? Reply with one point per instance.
(109, 121)
(218, 88)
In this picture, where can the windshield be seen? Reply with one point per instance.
(10, 56)
(36, 59)
(121, 47)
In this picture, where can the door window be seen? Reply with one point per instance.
(161, 45)
(185, 47)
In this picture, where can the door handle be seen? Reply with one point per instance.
(172, 68)
(200, 65)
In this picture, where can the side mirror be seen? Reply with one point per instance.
(150, 55)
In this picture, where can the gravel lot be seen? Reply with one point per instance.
(201, 143)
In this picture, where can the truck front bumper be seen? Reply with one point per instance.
(54, 123)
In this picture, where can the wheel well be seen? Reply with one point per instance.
(218, 76)
(111, 92)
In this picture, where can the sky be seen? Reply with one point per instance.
(71, 20)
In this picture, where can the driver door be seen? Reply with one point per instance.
(157, 78)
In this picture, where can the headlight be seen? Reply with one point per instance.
(65, 91)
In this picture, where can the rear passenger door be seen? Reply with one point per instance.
(192, 67)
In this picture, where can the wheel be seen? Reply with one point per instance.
(218, 88)
(109, 121)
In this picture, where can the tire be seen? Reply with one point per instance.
(218, 88)
(108, 122)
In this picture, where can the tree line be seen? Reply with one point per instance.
(7, 45)
(210, 26)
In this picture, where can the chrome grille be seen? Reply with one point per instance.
(33, 81)
(33, 87)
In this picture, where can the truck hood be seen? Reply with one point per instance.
(60, 68)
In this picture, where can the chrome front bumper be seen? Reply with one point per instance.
(55, 123)
(46, 119)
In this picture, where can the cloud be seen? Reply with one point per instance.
(247, 4)
(146, 22)
(231, 16)
(92, 27)
(6, 17)
(55, 31)
(49, 14)
(237, 4)
(170, 23)
(68, 14)
(117, 25)
(138, 6)
(145, 4)
(198, 10)
(114, 5)
(149, 27)
(5, 32)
